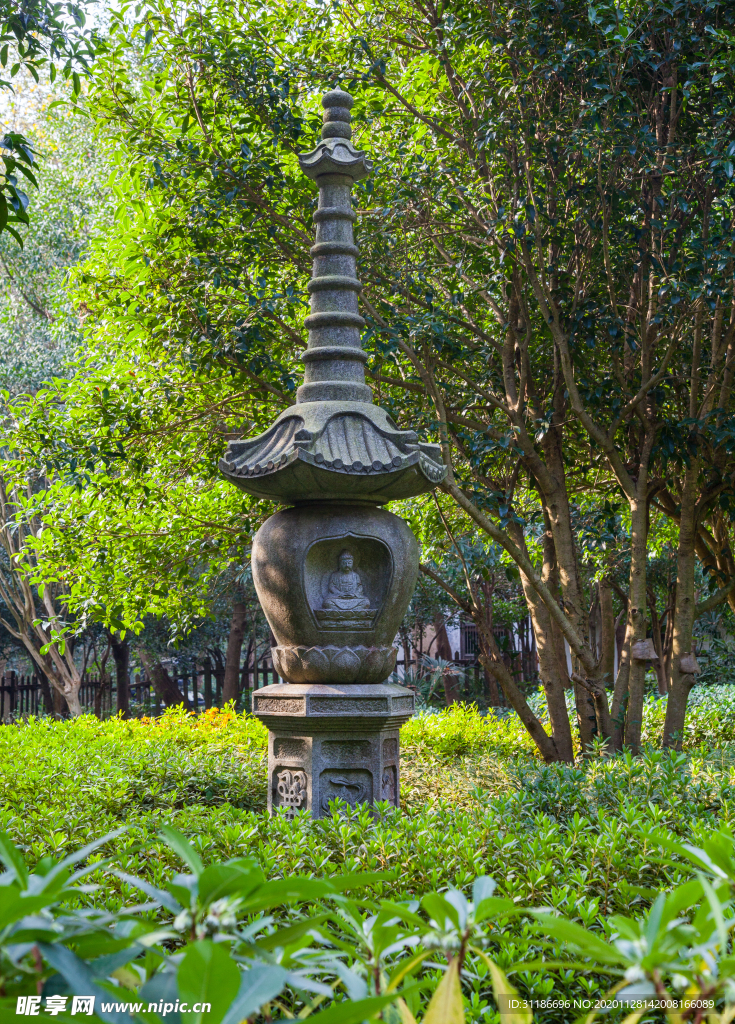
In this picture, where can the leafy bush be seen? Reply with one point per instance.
(588, 841)
(245, 946)
(460, 729)
(710, 717)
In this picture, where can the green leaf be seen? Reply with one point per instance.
(13, 860)
(349, 1012)
(285, 936)
(482, 889)
(219, 880)
(505, 995)
(14, 906)
(28, 173)
(495, 906)
(160, 895)
(81, 980)
(19, 240)
(591, 945)
(289, 890)
(440, 909)
(180, 845)
(446, 1003)
(259, 985)
(207, 974)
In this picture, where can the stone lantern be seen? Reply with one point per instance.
(334, 572)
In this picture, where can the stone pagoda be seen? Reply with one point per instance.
(334, 572)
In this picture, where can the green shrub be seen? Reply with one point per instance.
(263, 949)
(572, 835)
(461, 729)
(585, 840)
(710, 717)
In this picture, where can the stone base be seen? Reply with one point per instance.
(332, 741)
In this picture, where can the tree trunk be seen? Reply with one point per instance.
(657, 643)
(121, 656)
(680, 683)
(444, 651)
(491, 684)
(565, 568)
(219, 672)
(105, 683)
(162, 682)
(491, 688)
(231, 681)
(551, 678)
(72, 702)
(636, 630)
(620, 693)
(58, 708)
(245, 670)
(406, 645)
(586, 717)
(607, 635)
(47, 692)
(494, 663)
(60, 671)
(669, 634)
(207, 670)
(620, 624)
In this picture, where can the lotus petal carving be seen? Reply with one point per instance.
(334, 664)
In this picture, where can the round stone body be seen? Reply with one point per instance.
(334, 581)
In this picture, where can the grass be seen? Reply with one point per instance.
(475, 800)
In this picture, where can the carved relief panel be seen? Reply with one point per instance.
(290, 790)
(346, 580)
(390, 785)
(353, 785)
(290, 748)
(346, 750)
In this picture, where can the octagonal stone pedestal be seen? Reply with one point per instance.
(328, 741)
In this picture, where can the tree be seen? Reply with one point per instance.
(36, 35)
(546, 242)
(34, 618)
(39, 328)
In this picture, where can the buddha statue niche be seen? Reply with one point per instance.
(344, 604)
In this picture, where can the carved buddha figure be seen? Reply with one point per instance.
(344, 588)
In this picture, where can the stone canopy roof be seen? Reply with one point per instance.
(334, 443)
(333, 450)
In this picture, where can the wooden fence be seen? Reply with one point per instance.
(28, 695)
(22, 695)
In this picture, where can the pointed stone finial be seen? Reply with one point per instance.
(335, 154)
(337, 117)
(334, 443)
(334, 359)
